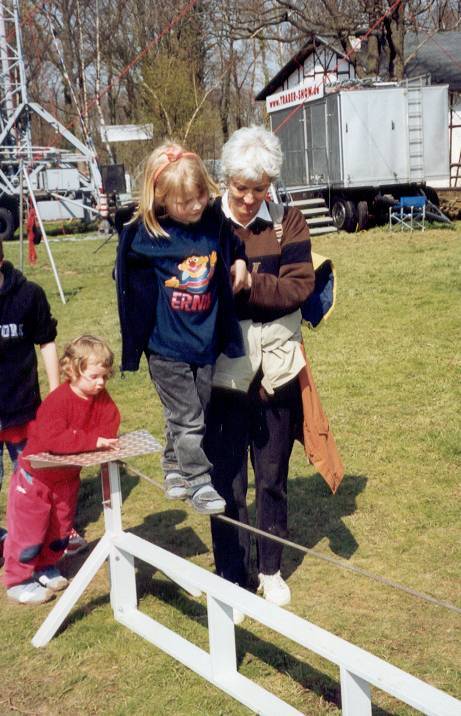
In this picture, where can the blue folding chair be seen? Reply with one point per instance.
(409, 212)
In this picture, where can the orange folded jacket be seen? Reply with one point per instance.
(317, 438)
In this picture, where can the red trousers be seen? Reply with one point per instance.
(39, 521)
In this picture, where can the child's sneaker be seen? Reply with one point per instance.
(207, 501)
(175, 486)
(51, 578)
(274, 589)
(76, 544)
(29, 593)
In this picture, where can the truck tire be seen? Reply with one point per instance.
(363, 217)
(344, 214)
(6, 224)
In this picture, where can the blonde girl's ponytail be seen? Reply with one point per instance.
(170, 171)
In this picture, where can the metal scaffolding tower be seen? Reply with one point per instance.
(12, 77)
(66, 183)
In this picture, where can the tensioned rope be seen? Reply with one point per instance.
(431, 36)
(317, 555)
(347, 55)
(338, 563)
(186, 9)
(183, 13)
(179, 16)
(83, 126)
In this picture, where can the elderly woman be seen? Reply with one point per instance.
(256, 403)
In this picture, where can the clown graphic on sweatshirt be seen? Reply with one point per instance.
(196, 274)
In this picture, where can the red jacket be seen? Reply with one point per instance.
(66, 424)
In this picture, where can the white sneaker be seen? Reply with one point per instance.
(274, 589)
(30, 593)
(51, 578)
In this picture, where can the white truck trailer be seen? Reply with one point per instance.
(362, 148)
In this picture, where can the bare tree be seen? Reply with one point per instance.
(96, 62)
(382, 23)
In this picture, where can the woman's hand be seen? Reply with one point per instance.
(241, 279)
(107, 443)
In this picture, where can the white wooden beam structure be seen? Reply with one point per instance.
(359, 670)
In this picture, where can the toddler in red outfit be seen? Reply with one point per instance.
(78, 416)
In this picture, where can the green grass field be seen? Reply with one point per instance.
(387, 366)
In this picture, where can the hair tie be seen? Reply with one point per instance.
(172, 155)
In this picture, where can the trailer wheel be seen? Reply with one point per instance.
(6, 224)
(362, 215)
(344, 214)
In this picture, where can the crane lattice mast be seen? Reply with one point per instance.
(61, 187)
(13, 79)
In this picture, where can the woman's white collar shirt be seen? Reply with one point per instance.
(263, 212)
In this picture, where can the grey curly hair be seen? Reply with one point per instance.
(251, 152)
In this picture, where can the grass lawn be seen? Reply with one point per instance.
(387, 365)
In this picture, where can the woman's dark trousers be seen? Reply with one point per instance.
(267, 427)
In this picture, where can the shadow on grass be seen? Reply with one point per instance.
(309, 678)
(247, 643)
(162, 528)
(83, 611)
(314, 514)
(71, 293)
(90, 499)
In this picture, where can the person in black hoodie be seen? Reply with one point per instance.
(25, 321)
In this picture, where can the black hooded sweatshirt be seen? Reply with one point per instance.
(25, 320)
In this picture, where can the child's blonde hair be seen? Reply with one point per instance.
(170, 170)
(77, 353)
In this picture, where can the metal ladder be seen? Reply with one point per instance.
(415, 131)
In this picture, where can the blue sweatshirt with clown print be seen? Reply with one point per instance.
(187, 301)
(174, 293)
